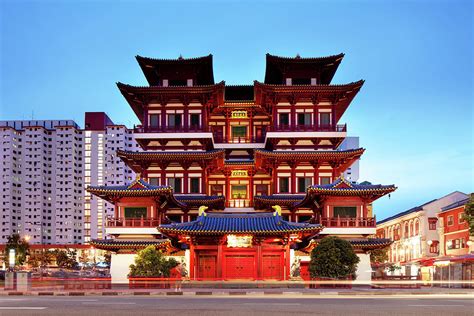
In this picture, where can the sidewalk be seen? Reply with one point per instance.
(360, 291)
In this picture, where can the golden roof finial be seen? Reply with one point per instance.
(277, 209)
(202, 210)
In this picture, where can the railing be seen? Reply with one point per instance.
(170, 129)
(309, 128)
(132, 222)
(238, 140)
(348, 222)
(238, 203)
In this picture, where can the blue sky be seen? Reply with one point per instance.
(414, 114)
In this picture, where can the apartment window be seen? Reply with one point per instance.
(303, 183)
(324, 180)
(175, 183)
(174, 120)
(450, 220)
(284, 119)
(195, 120)
(154, 120)
(325, 119)
(194, 185)
(304, 119)
(284, 185)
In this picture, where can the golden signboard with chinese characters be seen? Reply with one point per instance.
(235, 241)
(239, 114)
(239, 173)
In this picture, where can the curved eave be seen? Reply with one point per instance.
(166, 230)
(312, 88)
(116, 245)
(329, 58)
(185, 155)
(268, 202)
(200, 59)
(308, 155)
(351, 192)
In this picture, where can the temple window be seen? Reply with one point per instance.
(261, 189)
(195, 185)
(303, 183)
(195, 120)
(304, 119)
(154, 120)
(301, 81)
(135, 212)
(288, 81)
(190, 82)
(345, 211)
(154, 181)
(284, 119)
(175, 183)
(303, 218)
(217, 189)
(284, 184)
(324, 180)
(324, 119)
(178, 82)
(175, 218)
(239, 131)
(174, 120)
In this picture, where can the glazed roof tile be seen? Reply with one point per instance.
(343, 187)
(239, 223)
(153, 155)
(116, 244)
(310, 154)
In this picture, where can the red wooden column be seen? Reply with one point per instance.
(250, 126)
(192, 261)
(251, 191)
(292, 165)
(185, 166)
(259, 259)
(145, 118)
(315, 166)
(275, 178)
(293, 116)
(220, 257)
(315, 114)
(286, 243)
(227, 187)
(186, 116)
(333, 115)
(227, 127)
(163, 116)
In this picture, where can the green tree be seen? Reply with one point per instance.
(108, 258)
(21, 247)
(379, 255)
(41, 259)
(469, 214)
(333, 257)
(66, 259)
(151, 263)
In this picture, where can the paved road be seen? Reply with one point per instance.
(235, 306)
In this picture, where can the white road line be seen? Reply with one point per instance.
(426, 305)
(21, 308)
(266, 304)
(104, 303)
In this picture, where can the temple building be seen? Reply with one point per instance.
(239, 182)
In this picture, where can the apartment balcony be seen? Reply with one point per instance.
(171, 132)
(132, 226)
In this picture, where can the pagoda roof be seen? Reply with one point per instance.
(118, 244)
(287, 200)
(139, 96)
(309, 155)
(277, 66)
(216, 201)
(239, 93)
(239, 223)
(155, 68)
(347, 87)
(343, 187)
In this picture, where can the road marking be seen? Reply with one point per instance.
(426, 305)
(266, 304)
(21, 308)
(105, 303)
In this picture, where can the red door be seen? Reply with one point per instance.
(304, 270)
(272, 267)
(207, 267)
(240, 267)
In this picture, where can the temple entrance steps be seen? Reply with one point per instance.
(239, 209)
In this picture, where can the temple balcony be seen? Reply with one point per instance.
(171, 129)
(132, 226)
(309, 128)
(345, 225)
(247, 142)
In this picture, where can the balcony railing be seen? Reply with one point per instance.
(348, 222)
(238, 140)
(309, 128)
(170, 129)
(238, 203)
(132, 222)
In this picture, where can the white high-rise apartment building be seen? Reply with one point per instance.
(102, 167)
(351, 173)
(41, 181)
(44, 168)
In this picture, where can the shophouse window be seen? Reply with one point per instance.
(303, 183)
(432, 223)
(284, 185)
(461, 218)
(195, 185)
(450, 220)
